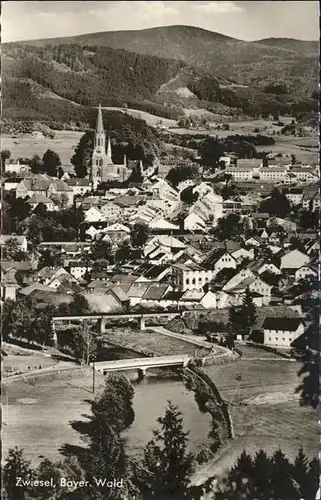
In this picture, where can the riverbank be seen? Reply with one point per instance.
(265, 410)
(37, 411)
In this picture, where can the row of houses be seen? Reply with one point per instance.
(273, 174)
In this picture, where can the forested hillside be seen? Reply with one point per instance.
(58, 82)
(243, 62)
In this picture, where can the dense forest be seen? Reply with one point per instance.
(59, 83)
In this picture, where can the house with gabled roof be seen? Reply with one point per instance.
(106, 297)
(233, 277)
(79, 186)
(46, 274)
(281, 332)
(260, 266)
(160, 224)
(164, 241)
(36, 288)
(220, 259)
(190, 276)
(155, 292)
(312, 246)
(311, 201)
(193, 222)
(49, 187)
(137, 291)
(294, 259)
(35, 199)
(8, 285)
(243, 254)
(307, 271)
(254, 241)
(94, 214)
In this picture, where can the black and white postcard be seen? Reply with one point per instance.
(160, 250)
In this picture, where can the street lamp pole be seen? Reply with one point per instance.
(94, 373)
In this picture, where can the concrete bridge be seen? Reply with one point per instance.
(141, 364)
(101, 319)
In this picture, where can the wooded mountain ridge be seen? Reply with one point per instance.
(133, 68)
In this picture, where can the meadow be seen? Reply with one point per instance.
(265, 408)
(25, 145)
(149, 341)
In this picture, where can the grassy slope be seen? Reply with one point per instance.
(273, 418)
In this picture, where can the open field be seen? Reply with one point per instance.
(18, 363)
(150, 119)
(25, 146)
(150, 341)
(272, 416)
(21, 360)
(304, 148)
(39, 412)
(244, 127)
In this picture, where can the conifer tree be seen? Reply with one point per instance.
(167, 465)
(16, 466)
(300, 472)
(243, 318)
(282, 483)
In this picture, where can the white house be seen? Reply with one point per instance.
(306, 271)
(294, 195)
(79, 186)
(194, 222)
(242, 254)
(185, 184)
(16, 167)
(111, 211)
(78, 269)
(281, 332)
(162, 225)
(164, 241)
(190, 276)
(294, 260)
(270, 268)
(94, 214)
(240, 173)
(202, 189)
(273, 174)
(208, 207)
(310, 202)
(39, 198)
(238, 278)
(21, 241)
(220, 259)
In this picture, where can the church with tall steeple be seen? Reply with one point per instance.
(102, 167)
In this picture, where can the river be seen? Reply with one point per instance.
(39, 412)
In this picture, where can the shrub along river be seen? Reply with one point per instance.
(39, 411)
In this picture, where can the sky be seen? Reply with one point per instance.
(246, 20)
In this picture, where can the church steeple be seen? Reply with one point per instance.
(99, 158)
(109, 151)
(100, 138)
(99, 124)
